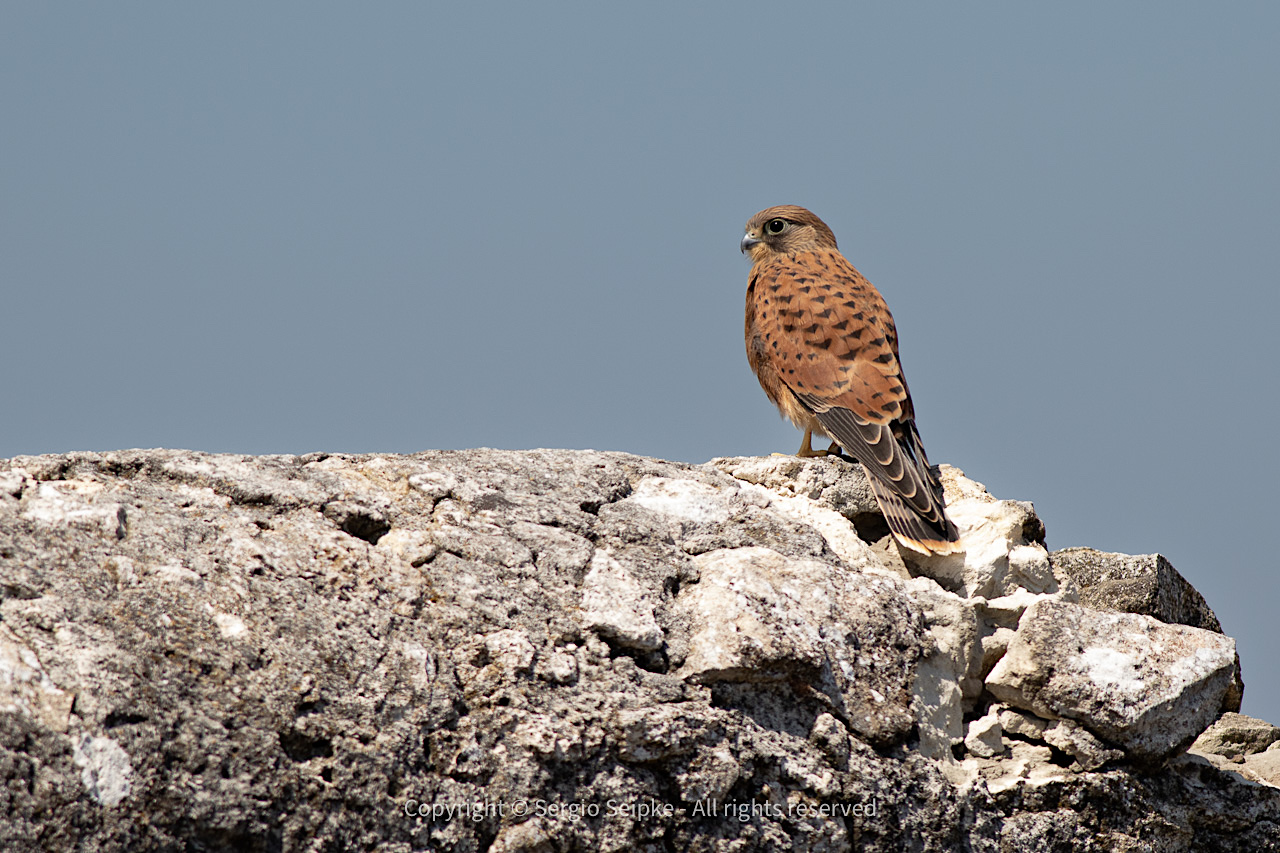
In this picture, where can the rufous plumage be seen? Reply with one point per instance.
(823, 345)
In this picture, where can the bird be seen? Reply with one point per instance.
(823, 344)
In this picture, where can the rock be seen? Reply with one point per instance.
(363, 522)
(105, 769)
(1002, 544)
(984, 738)
(1003, 541)
(1132, 680)
(826, 481)
(1264, 767)
(26, 689)
(547, 650)
(994, 646)
(1026, 768)
(1066, 736)
(1147, 584)
(1022, 725)
(1074, 740)
(617, 606)
(1135, 584)
(828, 495)
(756, 615)
(948, 680)
(1235, 735)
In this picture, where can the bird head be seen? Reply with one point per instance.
(785, 229)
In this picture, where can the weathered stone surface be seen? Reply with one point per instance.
(1236, 735)
(948, 678)
(1076, 741)
(1145, 583)
(1022, 724)
(1002, 544)
(1066, 736)
(1134, 681)
(26, 689)
(1264, 767)
(616, 605)
(829, 482)
(756, 615)
(602, 651)
(985, 737)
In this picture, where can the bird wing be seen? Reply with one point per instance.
(905, 487)
(831, 339)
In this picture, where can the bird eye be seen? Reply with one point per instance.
(775, 226)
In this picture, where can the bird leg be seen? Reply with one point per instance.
(806, 448)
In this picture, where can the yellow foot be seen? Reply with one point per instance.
(806, 450)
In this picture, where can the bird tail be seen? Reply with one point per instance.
(923, 535)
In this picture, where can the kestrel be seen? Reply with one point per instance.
(823, 345)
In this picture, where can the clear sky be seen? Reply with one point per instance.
(355, 227)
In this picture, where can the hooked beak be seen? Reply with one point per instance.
(747, 243)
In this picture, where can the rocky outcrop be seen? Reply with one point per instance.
(1147, 583)
(1147, 687)
(1242, 745)
(560, 650)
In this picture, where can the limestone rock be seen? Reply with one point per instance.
(105, 769)
(1076, 741)
(1264, 767)
(985, 737)
(1022, 724)
(1026, 768)
(1067, 736)
(1002, 544)
(1147, 584)
(26, 689)
(616, 605)
(544, 650)
(1003, 541)
(1132, 680)
(1236, 735)
(827, 481)
(948, 679)
(756, 615)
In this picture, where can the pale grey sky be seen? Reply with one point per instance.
(296, 227)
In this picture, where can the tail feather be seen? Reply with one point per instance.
(926, 536)
(908, 491)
